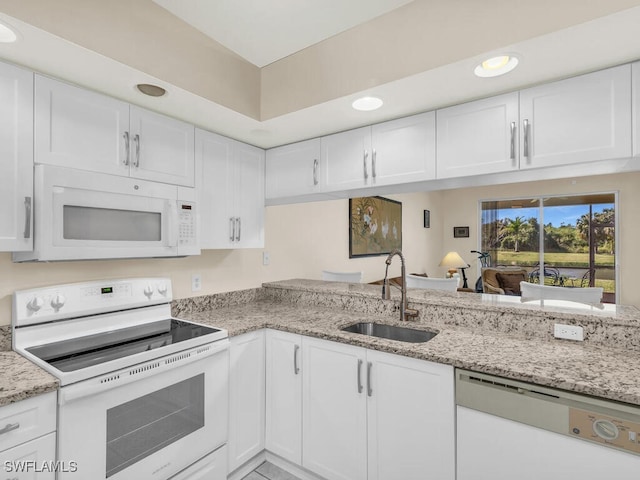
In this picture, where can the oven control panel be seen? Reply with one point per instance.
(88, 298)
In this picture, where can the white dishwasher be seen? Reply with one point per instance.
(510, 430)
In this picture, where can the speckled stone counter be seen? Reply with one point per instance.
(21, 379)
(482, 337)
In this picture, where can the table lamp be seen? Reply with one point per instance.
(453, 261)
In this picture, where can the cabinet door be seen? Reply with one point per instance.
(20, 462)
(334, 431)
(248, 196)
(478, 137)
(162, 148)
(411, 419)
(81, 129)
(404, 150)
(346, 159)
(246, 398)
(215, 189)
(284, 395)
(293, 169)
(635, 109)
(577, 120)
(16, 159)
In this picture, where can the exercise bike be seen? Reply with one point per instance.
(485, 261)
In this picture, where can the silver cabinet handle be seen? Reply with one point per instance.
(513, 141)
(239, 231)
(27, 217)
(232, 228)
(296, 368)
(366, 172)
(315, 171)
(369, 388)
(373, 162)
(9, 427)
(360, 387)
(525, 128)
(127, 158)
(136, 140)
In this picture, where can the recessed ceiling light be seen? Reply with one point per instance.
(366, 104)
(494, 66)
(7, 35)
(151, 90)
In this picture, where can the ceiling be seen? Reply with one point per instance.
(416, 55)
(268, 32)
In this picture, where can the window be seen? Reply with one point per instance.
(562, 240)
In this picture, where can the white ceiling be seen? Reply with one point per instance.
(264, 31)
(605, 41)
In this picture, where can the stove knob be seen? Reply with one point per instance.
(162, 289)
(35, 304)
(57, 302)
(148, 291)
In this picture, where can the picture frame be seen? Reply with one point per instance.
(375, 226)
(460, 232)
(427, 219)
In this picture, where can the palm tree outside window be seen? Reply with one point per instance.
(561, 240)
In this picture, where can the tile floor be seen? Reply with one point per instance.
(270, 472)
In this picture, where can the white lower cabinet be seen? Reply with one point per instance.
(375, 416)
(284, 395)
(34, 460)
(246, 398)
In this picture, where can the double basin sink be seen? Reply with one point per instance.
(391, 332)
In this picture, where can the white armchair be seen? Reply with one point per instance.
(448, 284)
(350, 277)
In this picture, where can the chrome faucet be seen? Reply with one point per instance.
(386, 293)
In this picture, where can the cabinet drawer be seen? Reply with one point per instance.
(26, 420)
(32, 460)
(211, 467)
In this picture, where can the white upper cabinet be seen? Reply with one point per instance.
(580, 119)
(81, 129)
(230, 191)
(404, 150)
(162, 148)
(635, 109)
(293, 169)
(16, 159)
(346, 159)
(478, 137)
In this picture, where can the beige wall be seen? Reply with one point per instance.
(305, 238)
(301, 239)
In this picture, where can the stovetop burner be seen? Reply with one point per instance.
(90, 350)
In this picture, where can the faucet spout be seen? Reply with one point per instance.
(404, 310)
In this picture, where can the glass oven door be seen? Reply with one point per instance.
(150, 428)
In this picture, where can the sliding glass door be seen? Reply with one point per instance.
(566, 241)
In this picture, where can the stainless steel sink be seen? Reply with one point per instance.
(392, 332)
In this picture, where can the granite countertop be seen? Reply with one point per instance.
(491, 343)
(493, 335)
(21, 379)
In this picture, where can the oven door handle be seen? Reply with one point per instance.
(112, 380)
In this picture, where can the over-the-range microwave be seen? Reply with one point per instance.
(80, 215)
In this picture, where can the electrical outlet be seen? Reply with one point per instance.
(196, 282)
(266, 258)
(568, 332)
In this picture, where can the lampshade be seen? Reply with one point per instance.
(453, 260)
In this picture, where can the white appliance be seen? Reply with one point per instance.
(508, 429)
(143, 395)
(88, 215)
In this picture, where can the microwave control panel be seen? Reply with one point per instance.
(187, 228)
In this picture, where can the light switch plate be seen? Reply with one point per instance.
(266, 258)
